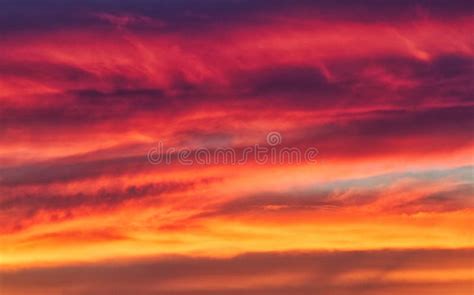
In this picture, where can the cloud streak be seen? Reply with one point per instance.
(367, 272)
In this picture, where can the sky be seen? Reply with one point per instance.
(92, 93)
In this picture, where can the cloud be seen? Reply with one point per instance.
(192, 15)
(358, 194)
(23, 209)
(367, 272)
(455, 198)
(59, 171)
(102, 198)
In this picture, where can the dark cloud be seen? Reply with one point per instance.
(379, 81)
(321, 272)
(60, 171)
(23, 209)
(115, 161)
(103, 197)
(406, 132)
(401, 84)
(436, 121)
(46, 72)
(87, 108)
(20, 15)
(272, 203)
(298, 82)
(395, 81)
(457, 198)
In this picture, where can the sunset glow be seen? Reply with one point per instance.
(380, 91)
